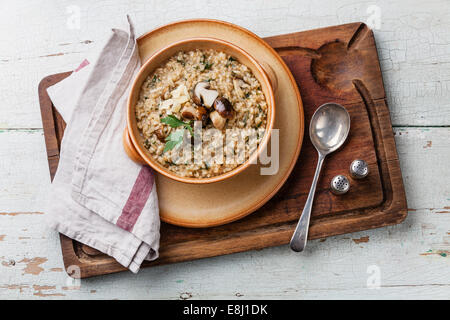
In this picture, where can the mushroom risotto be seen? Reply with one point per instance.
(201, 93)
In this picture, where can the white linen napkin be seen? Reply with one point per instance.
(99, 196)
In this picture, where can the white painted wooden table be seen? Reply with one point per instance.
(39, 38)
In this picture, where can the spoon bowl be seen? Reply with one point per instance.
(329, 127)
(328, 131)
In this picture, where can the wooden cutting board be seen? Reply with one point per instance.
(338, 64)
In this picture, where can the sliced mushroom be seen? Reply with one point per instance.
(191, 113)
(203, 114)
(224, 107)
(203, 95)
(166, 93)
(160, 135)
(217, 120)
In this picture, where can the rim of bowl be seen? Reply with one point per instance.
(164, 171)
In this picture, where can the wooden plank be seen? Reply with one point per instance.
(52, 121)
(414, 51)
(335, 268)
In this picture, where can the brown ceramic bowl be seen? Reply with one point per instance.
(133, 141)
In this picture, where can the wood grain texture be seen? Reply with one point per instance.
(410, 255)
(325, 76)
(52, 121)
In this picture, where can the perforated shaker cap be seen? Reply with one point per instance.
(340, 184)
(359, 169)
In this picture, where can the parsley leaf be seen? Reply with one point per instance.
(175, 138)
(174, 122)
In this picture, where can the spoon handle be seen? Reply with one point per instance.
(298, 240)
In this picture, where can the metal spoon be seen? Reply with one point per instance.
(328, 130)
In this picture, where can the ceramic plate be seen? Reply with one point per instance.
(222, 202)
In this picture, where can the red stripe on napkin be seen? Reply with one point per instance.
(136, 201)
